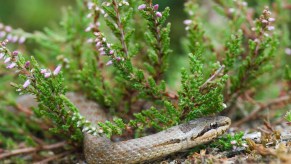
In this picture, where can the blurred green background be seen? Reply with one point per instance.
(32, 15)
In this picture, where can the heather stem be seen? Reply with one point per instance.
(120, 26)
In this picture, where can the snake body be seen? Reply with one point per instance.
(177, 138)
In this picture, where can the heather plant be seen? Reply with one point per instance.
(117, 52)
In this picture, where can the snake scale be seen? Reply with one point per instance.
(174, 139)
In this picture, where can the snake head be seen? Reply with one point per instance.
(205, 129)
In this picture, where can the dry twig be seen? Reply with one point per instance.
(54, 157)
(255, 112)
(217, 72)
(32, 149)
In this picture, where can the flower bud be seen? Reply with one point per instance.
(156, 6)
(15, 53)
(159, 14)
(57, 70)
(142, 7)
(10, 66)
(27, 64)
(26, 84)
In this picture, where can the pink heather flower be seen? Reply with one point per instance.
(109, 63)
(97, 33)
(156, 6)
(2, 34)
(271, 19)
(7, 60)
(27, 64)
(98, 44)
(57, 70)
(271, 28)
(267, 12)
(9, 37)
(89, 15)
(97, 8)
(111, 52)
(101, 49)
(187, 22)
(264, 21)
(102, 11)
(90, 5)
(142, 7)
(107, 4)
(15, 53)
(118, 58)
(14, 39)
(159, 14)
(231, 10)
(257, 40)
(10, 66)
(21, 40)
(4, 43)
(89, 28)
(102, 53)
(125, 3)
(26, 84)
(1, 55)
(288, 51)
(43, 71)
(8, 28)
(244, 3)
(47, 75)
(233, 142)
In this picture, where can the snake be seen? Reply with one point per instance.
(98, 149)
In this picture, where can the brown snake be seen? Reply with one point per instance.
(177, 138)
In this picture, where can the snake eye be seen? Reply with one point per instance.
(213, 125)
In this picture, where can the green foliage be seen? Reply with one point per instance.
(228, 142)
(158, 119)
(234, 49)
(287, 78)
(288, 116)
(250, 51)
(287, 74)
(18, 128)
(95, 86)
(158, 39)
(198, 96)
(49, 91)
